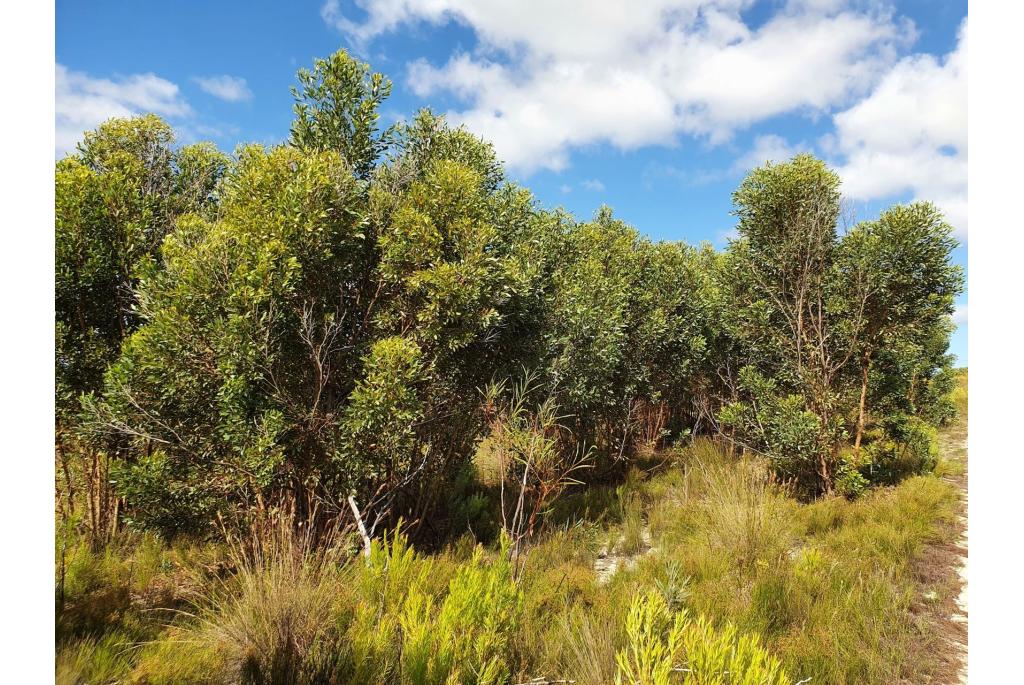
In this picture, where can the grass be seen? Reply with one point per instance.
(825, 590)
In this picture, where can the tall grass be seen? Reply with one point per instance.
(757, 582)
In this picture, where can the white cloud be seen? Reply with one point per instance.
(592, 184)
(546, 77)
(227, 88)
(910, 135)
(565, 189)
(767, 148)
(83, 102)
(960, 315)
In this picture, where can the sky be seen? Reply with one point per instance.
(656, 108)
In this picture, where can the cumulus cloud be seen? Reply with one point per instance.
(546, 78)
(910, 135)
(960, 315)
(767, 148)
(83, 102)
(227, 88)
(592, 184)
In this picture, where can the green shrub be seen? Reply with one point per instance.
(850, 482)
(779, 426)
(907, 446)
(467, 640)
(665, 648)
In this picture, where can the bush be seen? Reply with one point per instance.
(850, 482)
(666, 648)
(907, 446)
(467, 640)
(779, 426)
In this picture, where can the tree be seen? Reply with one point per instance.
(899, 270)
(251, 339)
(337, 107)
(326, 331)
(116, 200)
(794, 320)
(311, 323)
(625, 328)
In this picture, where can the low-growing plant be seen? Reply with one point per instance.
(272, 621)
(92, 661)
(588, 646)
(904, 446)
(467, 639)
(666, 648)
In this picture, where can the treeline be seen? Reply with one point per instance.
(351, 313)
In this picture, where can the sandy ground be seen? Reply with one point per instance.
(953, 444)
(961, 601)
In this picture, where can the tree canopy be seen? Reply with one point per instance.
(317, 319)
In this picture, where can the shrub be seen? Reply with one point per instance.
(467, 639)
(666, 648)
(780, 427)
(850, 482)
(907, 446)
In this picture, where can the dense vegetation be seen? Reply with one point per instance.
(368, 338)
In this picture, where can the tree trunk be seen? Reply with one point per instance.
(825, 474)
(865, 368)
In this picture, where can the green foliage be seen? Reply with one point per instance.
(337, 108)
(92, 661)
(731, 550)
(906, 446)
(822, 317)
(302, 341)
(534, 461)
(781, 428)
(850, 482)
(666, 648)
(626, 325)
(280, 330)
(467, 640)
(116, 200)
(382, 410)
(231, 370)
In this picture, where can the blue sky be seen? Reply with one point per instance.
(655, 108)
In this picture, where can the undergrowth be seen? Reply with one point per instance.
(728, 574)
